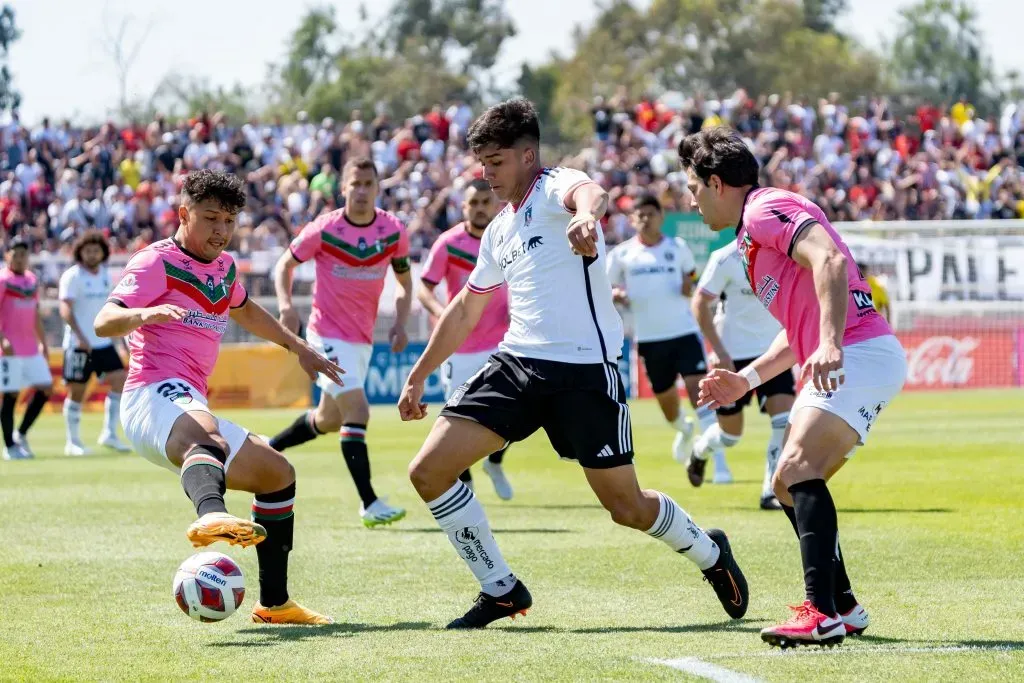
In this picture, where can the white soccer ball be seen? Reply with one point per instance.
(209, 586)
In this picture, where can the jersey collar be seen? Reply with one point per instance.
(186, 252)
(743, 208)
(533, 185)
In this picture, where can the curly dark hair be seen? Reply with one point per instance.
(504, 125)
(719, 151)
(90, 237)
(224, 188)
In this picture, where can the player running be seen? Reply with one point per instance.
(555, 370)
(851, 363)
(173, 301)
(82, 292)
(352, 248)
(451, 259)
(740, 332)
(653, 274)
(24, 363)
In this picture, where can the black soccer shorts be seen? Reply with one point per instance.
(80, 365)
(670, 358)
(581, 407)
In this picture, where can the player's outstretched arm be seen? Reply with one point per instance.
(283, 274)
(588, 202)
(118, 321)
(815, 249)
(255, 319)
(722, 387)
(458, 320)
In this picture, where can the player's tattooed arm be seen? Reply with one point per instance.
(117, 321)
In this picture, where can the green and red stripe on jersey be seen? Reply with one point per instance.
(272, 511)
(748, 253)
(459, 258)
(212, 297)
(355, 255)
(17, 292)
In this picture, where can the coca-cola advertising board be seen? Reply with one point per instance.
(988, 358)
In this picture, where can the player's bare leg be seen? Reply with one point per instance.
(696, 458)
(112, 413)
(657, 515)
(668, 402)
(73, 419)
(815, 449)
(453, 445)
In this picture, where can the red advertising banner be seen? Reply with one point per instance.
(975, 359)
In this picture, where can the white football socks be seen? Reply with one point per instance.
(111, 413)
(675, 528)
(460, 515)
(771, 460)
(72, 421)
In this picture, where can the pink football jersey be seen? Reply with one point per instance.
(164, 273)
(351, 264)
(452, 259)
(19, 303)
(770, 223)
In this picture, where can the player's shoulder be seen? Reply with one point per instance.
(452, 234)
(151, 253)
(71, 274)
(386, 219)
(724, 253)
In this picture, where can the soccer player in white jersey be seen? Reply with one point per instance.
(83, 290)
(740, 331)
(652, 273)
(555, 370)
(451, 259)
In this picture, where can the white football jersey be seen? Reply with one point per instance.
(653, 279)
(87, 292)
(746, 327)
(560, 304)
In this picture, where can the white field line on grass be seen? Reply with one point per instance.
(713, 672)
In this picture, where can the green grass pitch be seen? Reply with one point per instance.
(930, 519)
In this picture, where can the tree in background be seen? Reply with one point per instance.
(938, 53)
(821, 15)
(9, 97)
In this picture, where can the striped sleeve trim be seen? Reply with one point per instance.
(481, 290)
(799, 231)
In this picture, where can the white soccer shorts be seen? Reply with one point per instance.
(21, 372)
(148, 413)
(353, 358)
(875, 372)
(459, 367)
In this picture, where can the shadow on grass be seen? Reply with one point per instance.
(437, 530)
(733, 625)
(879, 511)
(270, 635)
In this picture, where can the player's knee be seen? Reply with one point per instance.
(628, 513)
(420, 475)
(326, 424)
(280, 474)
(794, 468)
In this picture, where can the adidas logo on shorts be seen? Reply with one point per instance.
(605, 452)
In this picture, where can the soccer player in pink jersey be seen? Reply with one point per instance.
(24, 363)
(352, 248)
(852, 365)
(173, 301)
(452, 259)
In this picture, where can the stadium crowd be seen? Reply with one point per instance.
(858, 160)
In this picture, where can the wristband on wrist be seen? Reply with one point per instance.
(750, 374)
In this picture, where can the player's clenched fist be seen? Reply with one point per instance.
(722, 387)
(824, 368)
(410, 404)
(164, 313)
(582, 234)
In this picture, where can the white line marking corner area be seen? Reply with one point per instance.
(701, 668)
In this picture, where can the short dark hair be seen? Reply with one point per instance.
(224, 188)
(647, 199)
(479, 184)
(18, 242)
(359, 164)
(719, 151)
(504, 125)
(90, 237)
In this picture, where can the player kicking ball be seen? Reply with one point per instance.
(555, 370)
(352, 248)
(173, 301)
(451, 259)
(83, 291)
(852, 365)
(738, 334)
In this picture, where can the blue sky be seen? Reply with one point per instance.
(62, 70)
